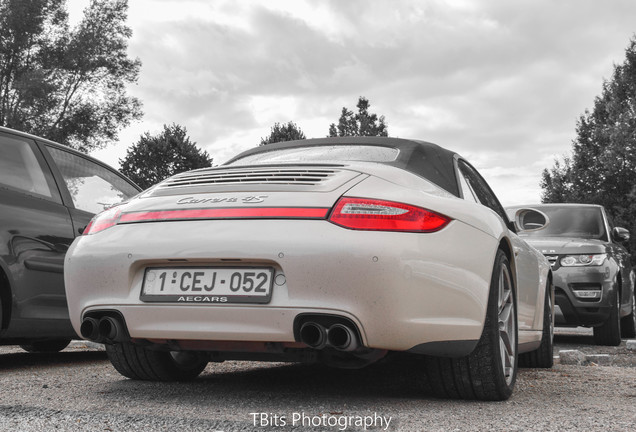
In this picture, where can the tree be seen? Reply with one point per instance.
(68, 85)
(283, 132)
(360, 124)
(155, 158)
(555, 182)
(602, 169)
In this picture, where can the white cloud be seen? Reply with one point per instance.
(500, 82)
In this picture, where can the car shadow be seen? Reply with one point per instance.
(570, 339)
(310, 383)
(21, 360)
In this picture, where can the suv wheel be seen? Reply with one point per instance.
(140, 363)
(609, 333)
(490, 371)
(628, 323)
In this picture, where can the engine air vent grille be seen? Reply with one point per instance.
(279, 176)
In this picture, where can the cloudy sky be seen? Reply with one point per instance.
(501, 82)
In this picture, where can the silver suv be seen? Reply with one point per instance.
(593, 277)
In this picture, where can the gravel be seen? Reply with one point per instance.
(571, 357)
(77, 389)
(582, 340)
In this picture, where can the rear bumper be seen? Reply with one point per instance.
(401, 290)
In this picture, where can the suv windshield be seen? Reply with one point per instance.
(336, 153)
(571, 221)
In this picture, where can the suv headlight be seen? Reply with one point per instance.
(583, 260)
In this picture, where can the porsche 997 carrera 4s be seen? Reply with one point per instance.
(335, 250)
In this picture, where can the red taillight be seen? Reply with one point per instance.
(380, 215)
(103, 220)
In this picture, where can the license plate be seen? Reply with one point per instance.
(212, 285)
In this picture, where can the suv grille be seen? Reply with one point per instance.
(279, 176)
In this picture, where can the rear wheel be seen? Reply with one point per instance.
(141, 363)
(490, 371)
(609, 333)
(542, 357)
(628, 323)
(46, 346)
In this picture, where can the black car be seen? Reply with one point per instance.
(593, 277)
(48, 194)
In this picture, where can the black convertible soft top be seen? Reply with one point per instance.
(425, 159)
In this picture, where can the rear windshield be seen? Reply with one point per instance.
(329, 153)
(572, 221)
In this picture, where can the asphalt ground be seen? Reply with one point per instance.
(78, 390)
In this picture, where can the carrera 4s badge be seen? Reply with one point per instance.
(252, 199)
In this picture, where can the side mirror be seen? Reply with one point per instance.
(528, 220)
(620, 235)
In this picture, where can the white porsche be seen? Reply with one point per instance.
(335, 250)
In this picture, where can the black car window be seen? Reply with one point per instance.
(481, 189)
(93, 188)
(21, 167)
(572, 221)
(333, 153)
(424, 159)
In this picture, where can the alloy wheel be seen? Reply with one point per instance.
(507, 324)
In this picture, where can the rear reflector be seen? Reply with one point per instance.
(227, 213)
(113, 217)
(379, 215)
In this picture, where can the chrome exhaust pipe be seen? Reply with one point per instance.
(314, 335)
(342, 338)
(110, 330)
(89, 329)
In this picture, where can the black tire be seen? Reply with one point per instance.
(628, 323)
(46, 346)
(609, 333)
(139, 363)
(542, 357)
(490, 371)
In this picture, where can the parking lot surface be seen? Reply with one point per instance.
(78, 389)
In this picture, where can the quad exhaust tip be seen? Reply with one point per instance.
(110, 329)
(90, 329)
(313, 335)
(104, 330)
(342, 338)
(338, 336)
